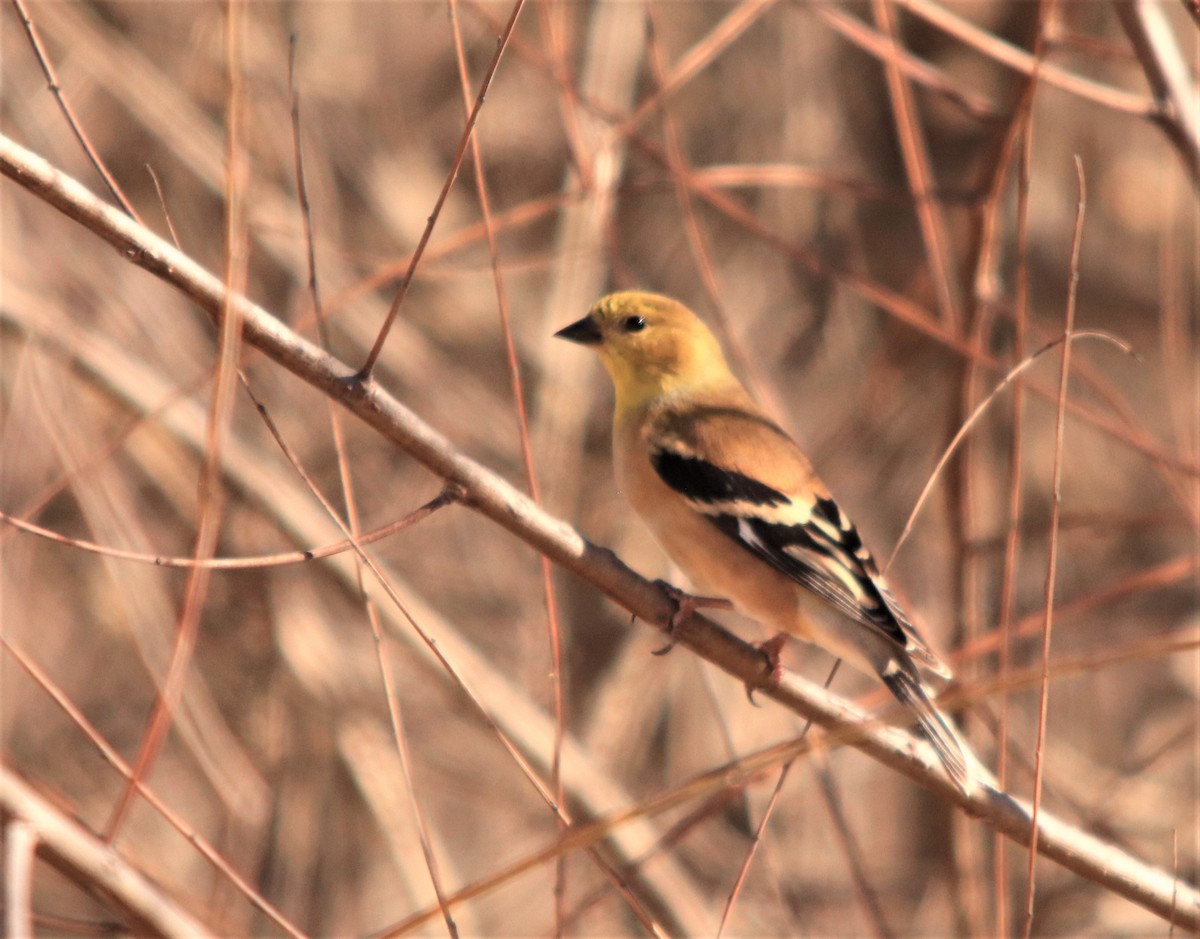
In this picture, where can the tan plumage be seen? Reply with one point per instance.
(738, 506)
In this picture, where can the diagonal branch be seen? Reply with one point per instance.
(81, 855)
(1076, 850)
(1167, 71)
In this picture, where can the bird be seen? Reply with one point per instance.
(736, 504)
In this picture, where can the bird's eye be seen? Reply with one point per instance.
(633, 324)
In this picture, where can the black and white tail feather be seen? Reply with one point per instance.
(908, 689)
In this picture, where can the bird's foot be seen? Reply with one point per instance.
(770, 649)
(685, 605)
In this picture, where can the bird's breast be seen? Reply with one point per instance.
(715, 563)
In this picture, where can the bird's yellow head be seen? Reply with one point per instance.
(651, 346)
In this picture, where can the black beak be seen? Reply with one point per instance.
(585, 332)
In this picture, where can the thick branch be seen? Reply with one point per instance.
(96, 866)
(1169, 75)
(1076, 850)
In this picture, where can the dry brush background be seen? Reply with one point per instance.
(755, 159)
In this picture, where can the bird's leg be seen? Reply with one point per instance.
(770, 650)
(685, 605)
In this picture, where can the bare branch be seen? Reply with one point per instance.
(79, 854)
(1168, 73)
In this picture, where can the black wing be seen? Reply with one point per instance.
(811, 542)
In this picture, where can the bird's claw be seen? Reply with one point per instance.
(685, 605)
(770, 649)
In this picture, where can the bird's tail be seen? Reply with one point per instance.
(906, 685)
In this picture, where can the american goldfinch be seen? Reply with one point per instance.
(736, 504)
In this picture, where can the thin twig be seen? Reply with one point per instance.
(553, 627)
(1022, 132)
(1009, 55)
(73, 121)
(368, 367)
(387, 683)
(162, 203)
(282, 558)
(854, 30)
(551, 16)
(113, 758)
(946, 293)
(220, 415)
(920, 174)
(867, 895)
(1169, 75)
(744, 870)
(987, 294)
(679, 170)
(744, 15)
(1056, 506)
(971, 421)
